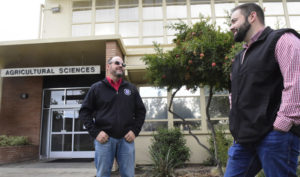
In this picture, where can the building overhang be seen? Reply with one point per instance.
(57, 52)
(74, 51)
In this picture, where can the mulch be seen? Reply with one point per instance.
(194, 170)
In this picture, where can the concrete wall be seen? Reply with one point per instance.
(57, 25)
(22, 116)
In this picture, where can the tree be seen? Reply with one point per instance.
(198, 59)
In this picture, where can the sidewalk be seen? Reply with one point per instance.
(54, 168)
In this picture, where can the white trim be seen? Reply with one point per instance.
(81, 154)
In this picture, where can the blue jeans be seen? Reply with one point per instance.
(277, 154)
(105, 154)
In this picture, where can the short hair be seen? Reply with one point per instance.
(247, 8)
(111, 58)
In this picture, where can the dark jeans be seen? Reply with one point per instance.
(277, 154)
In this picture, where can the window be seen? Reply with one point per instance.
(176, 9)
(223, 8)
(295, 22)
(152, 9)
(223, 23)
(128, 10)
(81, 18)
(64, 97)
(186, 104)
(219, 108)
(273, 8)
(153, 28)
(128, 29)
(275, 22)
(129, 21)
(203, 9)
(81, 30)
(155, 101)
(150, 41)
(75, 96)
(131, 41)
(200, 7)
(105, 29)
(293, 7)
(54, 97)
(171, 31)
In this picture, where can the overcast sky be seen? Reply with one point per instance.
(19, 19)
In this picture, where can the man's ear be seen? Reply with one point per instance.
(252, 17)
(107, 67)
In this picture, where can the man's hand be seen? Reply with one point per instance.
(130, 136)
(102, 137)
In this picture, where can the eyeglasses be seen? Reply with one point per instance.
(118, 63)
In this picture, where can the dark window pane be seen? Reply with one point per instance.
(53, 97)
(153, 126)
(194, 125)
(156, 108)
(219, 106)
(61, 143)
(83, 142)
(187, 107)
(78, 123)
(75, 96)
(57, 121)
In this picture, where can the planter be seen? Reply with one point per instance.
(12, 154)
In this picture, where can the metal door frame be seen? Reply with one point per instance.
(65, 154)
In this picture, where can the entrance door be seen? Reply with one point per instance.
(68, 138)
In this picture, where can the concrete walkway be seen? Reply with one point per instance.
(55, 168)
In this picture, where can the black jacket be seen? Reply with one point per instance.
(105, 109)
(256, 88)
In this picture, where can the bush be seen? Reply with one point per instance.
(223, 142)
(168, 151)
(13, 140)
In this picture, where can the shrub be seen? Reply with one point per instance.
(163, 165)
(168, 151)
(223, 142)
(13, 140)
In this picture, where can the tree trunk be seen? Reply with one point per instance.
(215, 155)
(213, 132)
(184, 122)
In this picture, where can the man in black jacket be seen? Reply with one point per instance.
(265, 95)
(113, 113)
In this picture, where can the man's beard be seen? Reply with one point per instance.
(117, 74)
(242, 32)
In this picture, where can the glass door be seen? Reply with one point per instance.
(68, 137)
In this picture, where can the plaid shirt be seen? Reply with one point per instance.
(287, 53)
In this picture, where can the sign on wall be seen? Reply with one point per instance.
(50, 71)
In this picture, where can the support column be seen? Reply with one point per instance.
(112, 49)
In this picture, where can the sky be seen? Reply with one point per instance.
(19, 19)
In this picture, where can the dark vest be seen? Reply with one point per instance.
(256, 88)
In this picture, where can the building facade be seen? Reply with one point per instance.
(44, 81)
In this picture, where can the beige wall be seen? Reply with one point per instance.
(198, 154)
(57, 25)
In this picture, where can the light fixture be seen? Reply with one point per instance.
(55, 9)
(24, 96)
